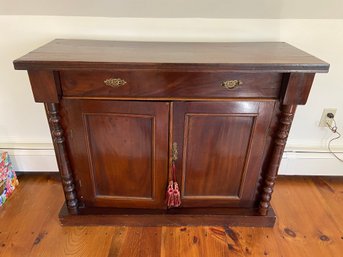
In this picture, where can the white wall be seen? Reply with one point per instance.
(23, 123)
(228, 9)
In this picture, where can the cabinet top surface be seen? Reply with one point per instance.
(62, 54)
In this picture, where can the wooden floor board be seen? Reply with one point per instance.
(309, 223)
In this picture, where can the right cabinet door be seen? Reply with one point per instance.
(220, 151)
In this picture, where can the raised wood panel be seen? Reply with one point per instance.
(221, 145)
(122, 165)
(120, 152)
(170, 84)
(209, 140)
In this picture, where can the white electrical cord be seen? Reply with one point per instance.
(334, 130)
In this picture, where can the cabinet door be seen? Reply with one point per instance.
(220, 151)
(118, 151)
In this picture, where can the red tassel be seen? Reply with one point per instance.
(170, 195)
(173, 191)
(176, 194)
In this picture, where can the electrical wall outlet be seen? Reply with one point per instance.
(325, 120)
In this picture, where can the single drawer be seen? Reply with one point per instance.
(169, 84)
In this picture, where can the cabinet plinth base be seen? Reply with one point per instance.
(177, 217)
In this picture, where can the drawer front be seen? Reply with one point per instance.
(167, 84)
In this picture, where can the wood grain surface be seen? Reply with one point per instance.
(309, 224)
(258, 56)
(49, 81)
(220, 148)
(155, 83)
(120, 152)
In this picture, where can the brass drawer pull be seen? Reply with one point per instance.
(231, 84)
(114, 82)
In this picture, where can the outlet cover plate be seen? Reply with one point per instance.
(324, 119)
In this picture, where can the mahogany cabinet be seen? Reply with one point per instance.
(125, 115)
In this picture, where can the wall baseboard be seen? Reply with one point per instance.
(302, 161)
(310, 164)
(31, 157)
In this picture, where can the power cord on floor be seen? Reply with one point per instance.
(334, 129)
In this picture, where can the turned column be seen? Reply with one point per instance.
(284, 125)
(57, 134)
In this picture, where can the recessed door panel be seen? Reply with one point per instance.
(121, 152)
(215, 149)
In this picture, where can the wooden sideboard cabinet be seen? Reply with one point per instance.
(123, 114)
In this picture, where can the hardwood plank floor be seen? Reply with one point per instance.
(309, 211)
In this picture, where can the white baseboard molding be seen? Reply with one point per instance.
(31, 157)
(310, 164)
(41, 158)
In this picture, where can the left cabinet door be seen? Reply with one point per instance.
(118, 151)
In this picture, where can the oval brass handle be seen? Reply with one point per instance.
(114, 82)
(231, 84)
